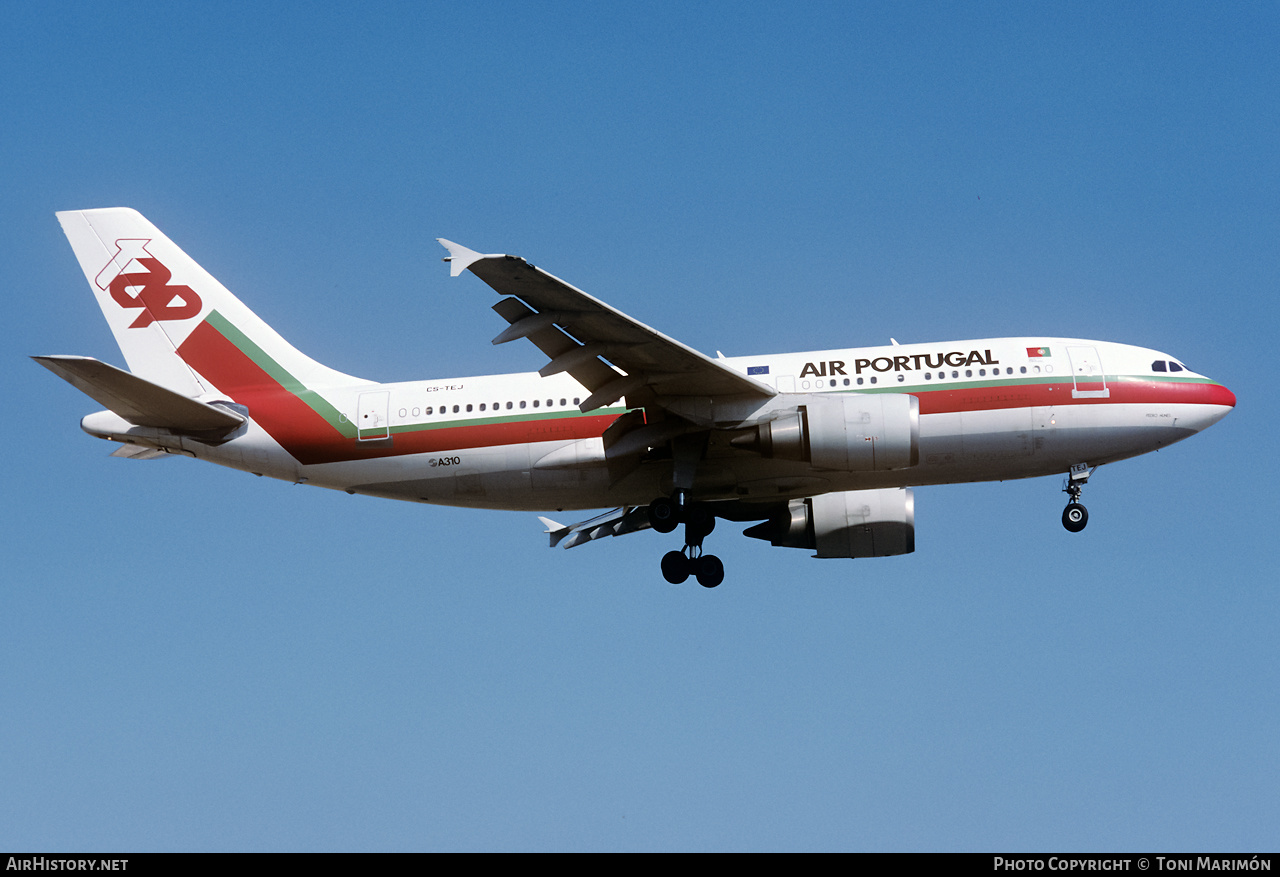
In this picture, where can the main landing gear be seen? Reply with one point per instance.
(1075, 516)
(665, 514)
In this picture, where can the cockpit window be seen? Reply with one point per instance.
(1174, 367)
(1158, 366)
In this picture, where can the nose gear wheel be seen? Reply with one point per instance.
(1075, 516)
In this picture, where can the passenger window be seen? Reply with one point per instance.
(522, 403)
(928, 376)
(562, 403)
(535, 403)
(901, 378)
(455, 409)
(481, 406)
(468, 409)
(428, 410)
(968, 373)
(508, 406)
(873, 380)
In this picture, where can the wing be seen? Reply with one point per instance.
(609, 353)
(618, 522)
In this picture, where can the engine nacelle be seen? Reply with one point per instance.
(850, 432)
(854, 523)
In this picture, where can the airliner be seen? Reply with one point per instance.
(817, 450)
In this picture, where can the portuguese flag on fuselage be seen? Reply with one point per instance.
(1037, 351)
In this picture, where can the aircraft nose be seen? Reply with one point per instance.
(1218, 402)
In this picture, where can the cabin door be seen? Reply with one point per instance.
(372, 420)
(1086, 370)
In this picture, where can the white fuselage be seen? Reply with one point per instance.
(989, 409)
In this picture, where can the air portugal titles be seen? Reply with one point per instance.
(909, 362)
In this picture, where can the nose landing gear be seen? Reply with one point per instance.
(677, 566)
(1075, 516)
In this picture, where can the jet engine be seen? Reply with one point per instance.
(853, 523)
(850, 432)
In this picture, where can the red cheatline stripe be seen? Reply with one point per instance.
(311, 439)
(305, 434)
(1130, 391)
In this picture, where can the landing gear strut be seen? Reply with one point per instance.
(1075, 516)
(677, 566)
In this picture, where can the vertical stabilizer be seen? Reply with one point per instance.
(170, 316)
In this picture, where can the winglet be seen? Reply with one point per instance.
(557, 531)
(460, 258)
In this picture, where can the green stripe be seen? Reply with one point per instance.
(318, 404)
(280, 374)
(513, 418)
(1022, 381)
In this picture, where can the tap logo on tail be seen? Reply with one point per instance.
(137, 279)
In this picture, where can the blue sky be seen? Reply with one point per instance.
(196, 659)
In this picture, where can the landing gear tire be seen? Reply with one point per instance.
(1075, 517)
(710, 570)
(676, 567)
(664, 516)
(698, 526)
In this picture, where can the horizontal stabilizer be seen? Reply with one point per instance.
(138, 400)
